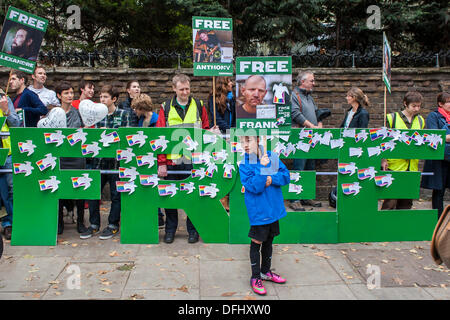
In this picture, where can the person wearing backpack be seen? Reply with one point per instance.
(408, 118)
(440, 181)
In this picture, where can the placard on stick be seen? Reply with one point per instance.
(21, 39)
(213, 46)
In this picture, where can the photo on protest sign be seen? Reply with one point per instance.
(386, 63)
(213, 46)
(21, 39)
(263, 93)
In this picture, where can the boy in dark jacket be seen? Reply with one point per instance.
(262, 175)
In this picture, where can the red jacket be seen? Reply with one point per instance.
(161, 123)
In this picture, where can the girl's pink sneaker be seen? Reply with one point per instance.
(271, 276)
(257, 286)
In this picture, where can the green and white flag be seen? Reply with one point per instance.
(21, 39)
(386, 63)
(263, 93)
(213, 46)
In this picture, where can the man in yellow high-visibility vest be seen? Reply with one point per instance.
(408, 118)
(181, 111)
(6, 179)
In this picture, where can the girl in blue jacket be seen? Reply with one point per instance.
(262, 175)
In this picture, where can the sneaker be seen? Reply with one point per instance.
(271, 276)
(89, 233)
(296, 206)
(81, 228)
(257, 286)
(108, 233)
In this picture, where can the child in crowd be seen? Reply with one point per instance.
(262, 174)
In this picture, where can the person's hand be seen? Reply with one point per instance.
(320, 125)
(215, 130)
(4, 105)
(265, 160)
(162, 171)
(384, 164)
(268, 181)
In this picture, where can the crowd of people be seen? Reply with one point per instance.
(32, 102)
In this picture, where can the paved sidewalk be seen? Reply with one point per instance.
(110, 270)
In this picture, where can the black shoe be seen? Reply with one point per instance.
(193, 237)
(108, 233)
(311, 203)
(8, 232)
(89, 233)
(169, 237)
(81, 228)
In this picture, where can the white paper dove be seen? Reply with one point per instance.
(27, 147)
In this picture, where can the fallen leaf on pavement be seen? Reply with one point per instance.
(321, 254)
(183, 288)
(113, 254)
(136, 296)
(413, 251)
(106, 290)
(228, 294)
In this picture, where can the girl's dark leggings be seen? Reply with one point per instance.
(261, 257)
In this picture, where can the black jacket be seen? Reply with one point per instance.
(360, 118)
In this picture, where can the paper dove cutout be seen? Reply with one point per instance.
(83, 181)
(384, 181)
(199, 157)
(221, 155)
(368, 173)
(211, 169)
(130, 173)
(138, 138)
(279, 148)
(50, 184)
(349, 133)
(125, 186)
(107, 139)
(159, 143)
(56, 137)
(149, 180)
(395, 134)
(280, 121)
(303, 146)
(167, 190)
(294, 188)
(237, 147)
(355, 152)
(351, 188)
(294, 176)
(326, 139)
(79, 135)
(362, 135)
(26, 168)
(27, 147)
(48, 161)
(347, 168)
(305, 134)
(192, 145)
(290, 148)
(337, 143)
(210, 190)
(126, 155)
(390, 145)
(209, 138)
(146, 159)
(374, 151)
(198, 173)
(279, 93)
(227, 170)
(189, 187)
(92, 148)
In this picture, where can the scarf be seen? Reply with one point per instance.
(445, 114)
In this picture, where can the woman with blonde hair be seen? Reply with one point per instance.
(143, 107)
(356, 116)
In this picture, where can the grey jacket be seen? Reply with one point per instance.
(304, 109)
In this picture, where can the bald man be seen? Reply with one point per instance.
(253, 91)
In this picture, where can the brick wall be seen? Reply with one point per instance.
(330, 91)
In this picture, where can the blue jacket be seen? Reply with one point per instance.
(264, 205)
(32, 107)
(436, 182)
